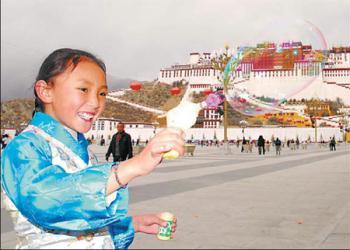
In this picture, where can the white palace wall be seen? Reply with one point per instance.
(236, 133)
(296, 88)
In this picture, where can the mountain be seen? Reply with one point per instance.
(18, 112)
(152, 94)
(115, 83)
(18, 87)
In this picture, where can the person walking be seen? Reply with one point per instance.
(250, 144)
(120, 146)
(268, 146)
(244, 143)
(304, 145)
(333, 142)
(297, 143)
(261, 144)
(278, 146)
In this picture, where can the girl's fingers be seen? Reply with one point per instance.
(160, 149)
(153, 229)
(163, 147)
(169, 137)
(177, 131)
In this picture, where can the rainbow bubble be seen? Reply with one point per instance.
(278, 71)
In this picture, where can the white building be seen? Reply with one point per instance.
(106, 127)
(339, 57)
(298, 107)
(308, 78)
(211, 118)
(337, 68)
(198, 70)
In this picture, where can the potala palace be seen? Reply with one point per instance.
(289, 70)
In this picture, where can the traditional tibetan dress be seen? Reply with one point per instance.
(56, 192)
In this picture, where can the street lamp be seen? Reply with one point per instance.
(243, 125)
(314, 124)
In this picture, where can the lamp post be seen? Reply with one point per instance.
(344, 122)
(316, 130)
(314, 124)
(219, 62)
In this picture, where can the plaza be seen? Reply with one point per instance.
(299, 199)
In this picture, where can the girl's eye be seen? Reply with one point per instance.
(103, 94)
(85, 90)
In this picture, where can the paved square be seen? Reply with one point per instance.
(244, 200)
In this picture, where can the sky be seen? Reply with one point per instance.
(136, 38)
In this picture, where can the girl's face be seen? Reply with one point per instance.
(78, 96)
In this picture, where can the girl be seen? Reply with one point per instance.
(60, 198)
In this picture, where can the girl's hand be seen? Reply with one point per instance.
(151, 155)
(150, 223)
(148, 159)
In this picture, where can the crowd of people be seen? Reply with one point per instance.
(246, 145)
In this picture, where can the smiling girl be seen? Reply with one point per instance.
(58, 198)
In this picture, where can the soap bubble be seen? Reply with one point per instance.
(267, 75)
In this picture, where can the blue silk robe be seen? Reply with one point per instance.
(47, 175)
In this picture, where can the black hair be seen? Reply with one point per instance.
(57, 62)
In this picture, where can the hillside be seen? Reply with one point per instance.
(152, 94)
(157, 95)
(19, 111)
(16, 112)
(126, 113)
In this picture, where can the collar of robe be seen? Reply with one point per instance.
(55, 129)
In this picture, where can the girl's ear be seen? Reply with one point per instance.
(44, 91)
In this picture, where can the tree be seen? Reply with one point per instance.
(257, 122)
(225, 63)
(272, 121)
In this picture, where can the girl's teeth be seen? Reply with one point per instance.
(85, 116)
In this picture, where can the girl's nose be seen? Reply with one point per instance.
(94, 101)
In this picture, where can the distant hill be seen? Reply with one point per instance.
(152, 94)
(127, 113)
(115, 83)
(19, 111)
(155, 95)
(16, 112)
(13, 88)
